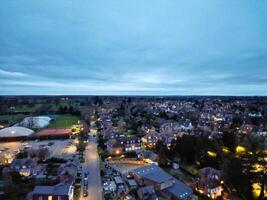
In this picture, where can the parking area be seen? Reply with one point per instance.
(57, 148)
(8, 151)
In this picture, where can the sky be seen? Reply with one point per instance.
(120, 47)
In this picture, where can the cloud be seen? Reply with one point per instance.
(11, 73)
(112, 47)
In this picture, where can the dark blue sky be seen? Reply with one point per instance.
(166, 47)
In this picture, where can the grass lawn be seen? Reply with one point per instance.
(64, 121)
(14, 118)
(31, 109)
(180, 175)
(27, 108)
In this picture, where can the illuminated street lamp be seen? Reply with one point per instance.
(117, 152)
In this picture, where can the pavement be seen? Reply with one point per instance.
(92, 166)
(60, 148)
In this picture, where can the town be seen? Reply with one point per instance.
(133, 147)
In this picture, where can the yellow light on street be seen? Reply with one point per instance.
(240, 149)
(256, 190)
(211, 154)
(117, 151)
(76, 141)
(225, 150)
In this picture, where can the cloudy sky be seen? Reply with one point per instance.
(208, 47)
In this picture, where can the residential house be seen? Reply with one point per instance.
(148, 156)
(151, 139)
(115, 146)
(123, 145)
(68, 172)
(24, 166)
(147, 193)
(210, 182)
(57, 192)
(164, 184)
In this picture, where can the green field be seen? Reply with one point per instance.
(64, 121)
(14, 118)
(37, 106)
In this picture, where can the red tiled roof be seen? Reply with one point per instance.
(56, 131)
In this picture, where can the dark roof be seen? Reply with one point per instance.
(23, 161)
(60, 189)
(147, 192)
(179, 190)
(154, 173)
(43, 189)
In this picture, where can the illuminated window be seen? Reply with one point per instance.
(49, 197)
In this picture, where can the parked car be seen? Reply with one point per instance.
(50, 143)
(85, 193)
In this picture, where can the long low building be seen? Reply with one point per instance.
(165, 185)
(51, 132)
(15, 132)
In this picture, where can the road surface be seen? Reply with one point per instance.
(91, 165)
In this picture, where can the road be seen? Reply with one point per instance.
(91, 165)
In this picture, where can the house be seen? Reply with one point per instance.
(132, 184)
(115, 146)
(131, 144)
(148, 156)
(24, 166)
(118, 180)
(56, 192)
(121, 145)
(117, 135)
(210, 182)
(147, 193)
(150, 139)
(69, 173)
(164, 184)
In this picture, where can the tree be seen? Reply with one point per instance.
(97, 101)
(16, 178)
(31, 122)
(101, 142)
(22, 154)
(158, 145)
(245, 169)
(162, 155)
(229, 140)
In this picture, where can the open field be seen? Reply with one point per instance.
(27, 108)
(35, 107)
(64, 121)
(14, 118)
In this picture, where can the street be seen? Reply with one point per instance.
(91, 165)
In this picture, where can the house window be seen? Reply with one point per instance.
(50, 197)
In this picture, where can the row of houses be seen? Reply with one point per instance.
(65, 175)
